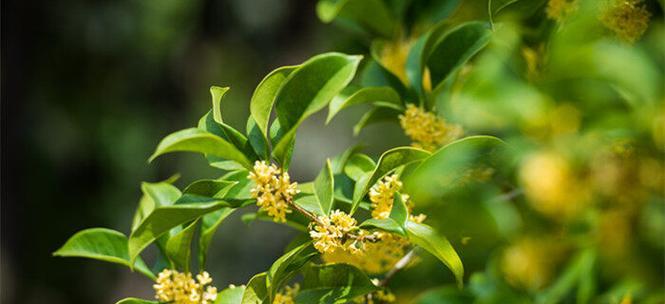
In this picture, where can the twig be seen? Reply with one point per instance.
(405, 260)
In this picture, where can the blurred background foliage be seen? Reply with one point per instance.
(89, 88)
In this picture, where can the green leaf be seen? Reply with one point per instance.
(451, 166)
(425, 237)
(257, 139)
(307, 90)
(375, 75)
(231, 295)
(179, 247)
(333, 283)
(455, 48)
(375, 115)
(379, 96)
(399, 212)
(386, 224)
(209, 224)
(162, 219)
(217, 95)
(197, 140)
(241, 190)
(216, 188)
(379, 22)
(580, 266)
(388, 161)
(324, 187)
(358, 165)
(154, 195)
(287, 266)
(135, 301)
(264, 96)
(104, 245)
(256, 291)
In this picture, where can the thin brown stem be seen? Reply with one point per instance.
(405, 260)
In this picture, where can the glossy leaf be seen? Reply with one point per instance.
(162, 219)
(179, 247)
(386, 224)
(333, 283)
(324, 187)
(455, 49)
(375, 75)
(390, 160)
(307, 90)
(379, 96)
(154, 195)
(264, 95)
(197, 140)
(209, 224)
(257, 139)
(287, 266)
(231, 295)
(399, 212)
(451, 166)
(101, 244)
(358, 165)
(217, 95)
(425, 237)
(240, 190)
(210, 187)
(255, 290)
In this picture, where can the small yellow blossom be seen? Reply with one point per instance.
(273, 191)
(426, 130)
(382, 194)
(181, 288)
(558, 9)
(628, 19)
(331, 232)
(287, 296)
(375, 257)
(530, 262)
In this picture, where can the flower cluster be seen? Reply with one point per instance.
(558, 9)
(376, 257)
(180, 288)
(274, 190)
(332, 232)
(628, 19)
(426, 130)
(382, 194)
(381, 296)
(287, 296)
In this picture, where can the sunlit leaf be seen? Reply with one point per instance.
(425, 237)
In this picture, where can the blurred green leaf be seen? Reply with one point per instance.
(373, 16)
(445, 295)
(425, 237)
(197, 140)
(358, 165)
(455, 48)
(399, 212)
(333, 283)
(104, 245)
(231, 295)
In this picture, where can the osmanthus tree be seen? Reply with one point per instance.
(551, 78)
(361, 222)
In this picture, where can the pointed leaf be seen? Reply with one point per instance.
(287, 266)
(179, 247)
(425, 237)
(379, 96)
(333, 283)
(197, 140)
(162, 219)
(399, 212)
(256, 291)
(324, 187)
(390, 160)
(386, 224)
(264, 96)
(104, 245)
(209, 224)
(358, 165)
(217, 95)
(379, 22)
(154, 195)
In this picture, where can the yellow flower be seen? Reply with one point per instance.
(331, 232)
(382, 194)
(273, 191)
(628, 19)
(287, 296)
(180, 288)
(375, 257)
(426, 130)
(551, 186)
(558, 9)
(530, 262)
